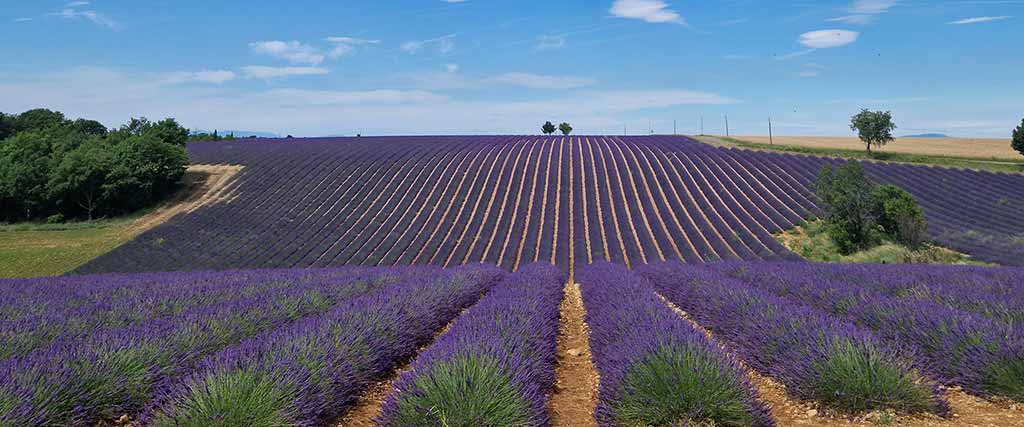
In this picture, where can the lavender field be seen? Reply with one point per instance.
(513, 200)
(300, 347)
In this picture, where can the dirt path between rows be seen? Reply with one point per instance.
(575, 392)
(370, 404)
(968, 410)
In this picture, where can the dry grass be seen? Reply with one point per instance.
(994, 148)
(48, 250)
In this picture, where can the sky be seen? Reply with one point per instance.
(387, 67)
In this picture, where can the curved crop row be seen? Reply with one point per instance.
(311, 371)
(984, 356)
(78, 381)
(817, 356)
(655, 368)
(494, 366)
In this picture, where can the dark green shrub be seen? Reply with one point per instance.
(899, 215)
(849, 206)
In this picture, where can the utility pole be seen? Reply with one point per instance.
(701, 125)
(770, 140)
(650, 125)
(623, 129)
(674, 130)
(727, 125)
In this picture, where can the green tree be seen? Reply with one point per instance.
(846, 196)
(565, 128)
(77, 183)
(7, 126)
(873, 127)
(89, 127)
(899, 215)
(24, 171)
(1018, 138)
(39, 119)
(548, 128)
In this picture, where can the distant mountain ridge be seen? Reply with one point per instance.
(927, 135)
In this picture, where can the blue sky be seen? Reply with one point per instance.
(307, 67)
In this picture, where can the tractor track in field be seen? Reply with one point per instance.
(574, 398)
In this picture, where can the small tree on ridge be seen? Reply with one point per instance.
(548, 128)
(566, 128)
(873, 127)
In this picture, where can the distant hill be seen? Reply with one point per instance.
(239, 133)
(927, 135)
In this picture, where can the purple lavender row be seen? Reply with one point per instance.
(996, 293)
(311, 371)
(79, 307)
(817, 356)
(495, 365)
(656, 368)
(80, 381)
(984, 356)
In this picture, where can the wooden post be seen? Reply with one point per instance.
(770, 140)
(727, 125)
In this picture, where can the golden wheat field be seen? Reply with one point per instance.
(958, 147)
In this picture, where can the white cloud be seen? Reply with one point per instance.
(78, 3)
(303, 97)
(815, 65)
(796, 54)
(550, 42)
(823, 39)
(809, 73)
(443, 44)
(293, 51)
(90, 15)
(204, 76)
(653, 11)
(979, 19)
(451, 67)
(262, 72)
(22, 19)
(536, 81)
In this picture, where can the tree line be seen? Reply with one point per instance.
(54, 168)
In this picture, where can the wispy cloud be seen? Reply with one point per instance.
(78, 3)
(267, 73)
(979, 20)
(345, 45)
(809, 73)
(796, 54)
(735, 57)
(204, 76)
(550, 42)
(536, 81)
(22, 19)
(653, 11)
(824, 39)
(863, 12)
(293, 51)
(89, 15)
(451, 68)
(443, 44)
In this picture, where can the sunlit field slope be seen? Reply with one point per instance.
(512, 200)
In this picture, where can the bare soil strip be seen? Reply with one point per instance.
(370, 404)
(204, 185)
(968, 410)
(575, 394)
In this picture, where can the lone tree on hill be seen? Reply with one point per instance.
(873, 127)
(548, 128)
(565, 128)
(1018, 138)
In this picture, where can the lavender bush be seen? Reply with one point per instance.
(655, 368)
(496, 364)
